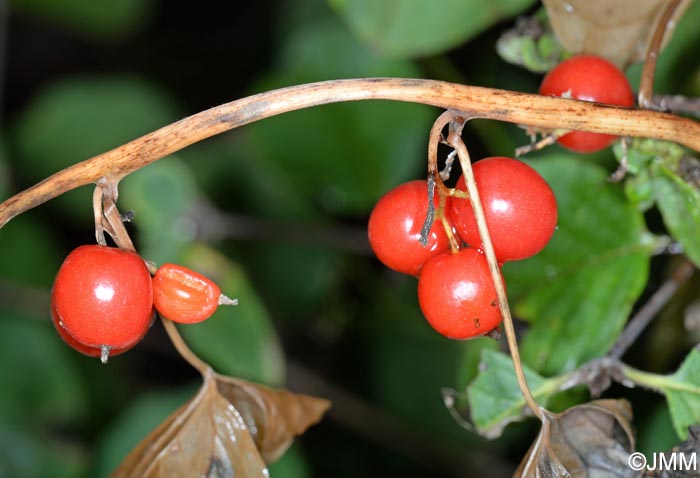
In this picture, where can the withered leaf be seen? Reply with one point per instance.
(619, 30)
(230, 428)
(593, 440)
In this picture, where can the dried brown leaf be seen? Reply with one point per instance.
(619, 30)
(593, 440)
(274, 417)
(231, 428)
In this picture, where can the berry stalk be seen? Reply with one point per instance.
(455, 141)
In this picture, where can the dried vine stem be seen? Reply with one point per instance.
(182, 348)
(454, 140)
(646, 84)
(477, 102)
(434, 176)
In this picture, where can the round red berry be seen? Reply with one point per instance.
(519, 206)
(588, 78)
(457, 295)
(183, 295)
(88, 349)
(395, 225)
(102, 298)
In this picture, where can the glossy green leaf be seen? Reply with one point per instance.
(577, 293)
(101, 20)
(237, 340)
(471, 358)
(38, 380)
(495, 398)
(343, 157)
(415, 28)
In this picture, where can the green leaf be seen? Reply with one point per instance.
(494, 397)
(343, 156)
(683, 394)
(415, 28)
(682, 390)
(577, 293)
(531, 44)
(237, 340)
(665, 175)
(104, 19)
(679, 203)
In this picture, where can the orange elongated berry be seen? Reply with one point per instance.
(183, 295)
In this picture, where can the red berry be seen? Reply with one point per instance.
(183, 295)
(457, 295)
(588, 78)
(102, 298)
(87, 349)
(395, 224)
(519, 205)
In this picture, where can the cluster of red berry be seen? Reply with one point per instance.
(455, 290)
(103, 299)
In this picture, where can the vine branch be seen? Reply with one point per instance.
(455, 141)
(474, 101)
(182, 348)
(646, 84)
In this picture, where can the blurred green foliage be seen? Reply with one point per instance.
(409, 28)
(104, 20)
(84, 77)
